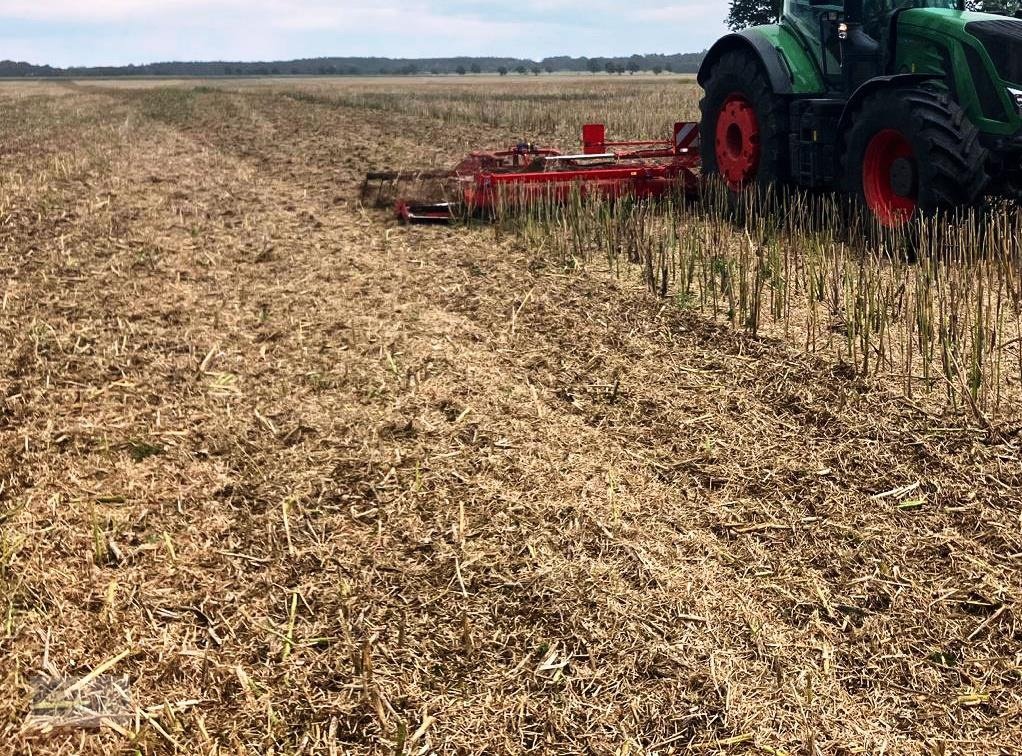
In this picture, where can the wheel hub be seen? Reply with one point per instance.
(890, 178)
(737, 142)
(903, 177)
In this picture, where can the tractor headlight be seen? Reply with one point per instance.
(1016, 96)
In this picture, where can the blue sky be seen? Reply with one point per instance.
(117, 32)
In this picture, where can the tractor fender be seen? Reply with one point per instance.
(875, 85)
(776, 68)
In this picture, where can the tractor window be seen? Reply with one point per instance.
(989, 97)
(817, 23)
(947, 4)
(807, 15)
(1003, 43)
(877, 13)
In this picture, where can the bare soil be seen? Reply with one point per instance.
(318, 483)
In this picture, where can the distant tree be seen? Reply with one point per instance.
(435, 71)
(461, 71)
(634, 67)
(536, 70)
(998, 7)
(593, 66)
(745, 13)
(275, 71)
(610, 67)
(502, 70)
(548, 68)
(522, 70)
(668, 68)
(476, 68)
(657, 70)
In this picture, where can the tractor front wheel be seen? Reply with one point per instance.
(912, 153)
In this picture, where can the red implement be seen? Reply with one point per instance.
(486, 182)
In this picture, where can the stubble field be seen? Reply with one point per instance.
(307, 481)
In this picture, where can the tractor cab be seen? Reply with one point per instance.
(852, 41)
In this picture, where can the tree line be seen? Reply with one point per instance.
(679, 63)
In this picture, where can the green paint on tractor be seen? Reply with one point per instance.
(913, 107)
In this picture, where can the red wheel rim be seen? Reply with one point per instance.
(738, 141)
(890, 208)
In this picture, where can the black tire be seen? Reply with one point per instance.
(947, 166)
(739, 73)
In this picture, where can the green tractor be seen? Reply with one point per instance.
(912, 107)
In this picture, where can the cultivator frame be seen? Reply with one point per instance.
(484, 184)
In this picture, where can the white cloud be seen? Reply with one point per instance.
(75, 11)
(677, 13)
(91, 32)
(385, 20)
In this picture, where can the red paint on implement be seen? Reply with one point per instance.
(485, 182)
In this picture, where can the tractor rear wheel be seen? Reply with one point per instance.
(744, 125)
(912, 153)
